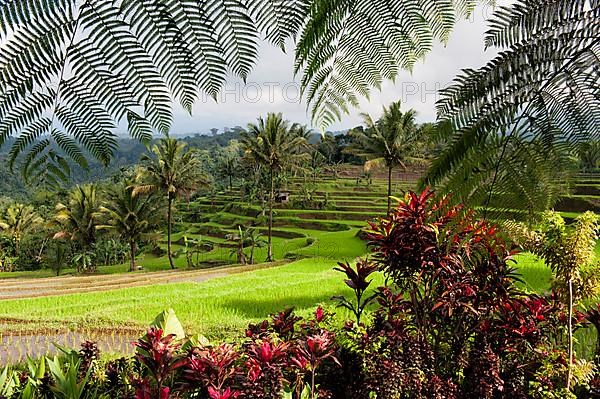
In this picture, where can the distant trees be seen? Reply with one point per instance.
(391, 141)
(228, 162)
(79, 218)
(130, 216)
(19, 220)
(270, 143)
(172, 170)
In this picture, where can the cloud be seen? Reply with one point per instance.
(272, 87)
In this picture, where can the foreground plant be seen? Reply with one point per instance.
(357, 281)
(569, 252)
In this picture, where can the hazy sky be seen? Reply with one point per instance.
(271, 86)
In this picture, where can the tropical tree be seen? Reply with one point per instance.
(239, 240)
(73, 70)
(172, 170)
(391, 141)
(269, 143)
(79, 218)
(253, 239)
(228, 162)
(132, 217)
(517, 120)
(19, 220)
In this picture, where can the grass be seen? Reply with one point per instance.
(217, 308)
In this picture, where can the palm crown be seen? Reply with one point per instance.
(391, 141)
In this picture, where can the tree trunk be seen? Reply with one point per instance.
(252, 254)
(169, 228)
(230, 184)
(132, 256)
(389, 193)
(271, 195)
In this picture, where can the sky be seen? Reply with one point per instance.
(271, 87)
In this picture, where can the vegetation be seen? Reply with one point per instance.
(391, 141)
(436, 301)
(172, 171)
(271, 144)
(109, 63)
(468, 331)
(516, 121)
(78, 221)
(130, 216)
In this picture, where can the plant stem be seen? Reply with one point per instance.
(389, 191)
(570, 333)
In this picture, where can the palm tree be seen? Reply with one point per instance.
(19, 220)
(391, 141)
(270, 143)
(131, 217)
(79, 218)
(228, 166)
(104, 61)
(173, 171)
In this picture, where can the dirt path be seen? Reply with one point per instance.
(30, 288)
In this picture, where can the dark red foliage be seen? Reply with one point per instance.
(313, 350)
(214, 368)
(482, 376)
(282, 323)
(160, 357)
(359, 282)
(357, 279)
(265, 365)
(88, 354)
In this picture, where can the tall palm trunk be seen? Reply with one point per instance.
(389, 193)
(271, 196)
(169, 228)
(131, 256)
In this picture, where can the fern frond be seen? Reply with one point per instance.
(517, 119)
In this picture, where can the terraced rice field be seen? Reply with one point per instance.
(219, 298)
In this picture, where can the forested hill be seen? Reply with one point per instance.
(127, 154)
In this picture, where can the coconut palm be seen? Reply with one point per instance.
(79, 218)
(391, 141)
(172, 170)
(228, 166)
(19, 220)
(270, 143)
(131, 217)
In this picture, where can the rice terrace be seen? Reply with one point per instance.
(369, 238)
